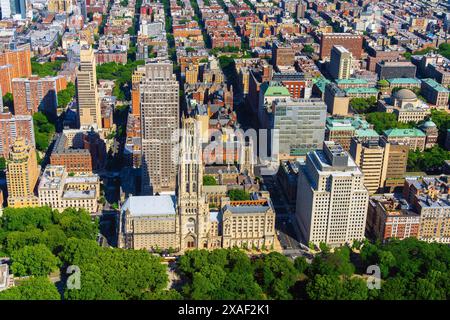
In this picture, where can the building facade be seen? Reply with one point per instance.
(331, 200)
(340, 62)
(21, 175)
(351, 42)
(87, 93)
(37, 94)
(185, 222)
(159, 109)
(60, 189)
(12, 127)
(390, 216)
(299, 125)
(379, 160)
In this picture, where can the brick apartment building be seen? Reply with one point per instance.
(12, 127)
(13, 64)
(37, 94)
(351, 42)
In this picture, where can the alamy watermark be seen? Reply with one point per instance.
(229, 147)
(374, 279)
(74, 279)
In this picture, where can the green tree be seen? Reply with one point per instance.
(276, 275)
(110, 273)
(238, 195)
(209, 181)
(77, 223)
(43, 130)
(47, 68)
(301, 264)
(383, 121)
(324, 287)
(308, 49)
(363, 105)
(35, 288)
(35, 260)
(20, 219)
(393, 289)
(2, 163)
(66, 95)
(8, 101)
(431, 160)
(354, 289)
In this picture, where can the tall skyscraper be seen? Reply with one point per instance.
(88, 101)
(159, 103)
(5, 5)
(21, 175)
(340, 62)
(331, 197)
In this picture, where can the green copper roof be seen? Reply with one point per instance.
(351, 81)
(277, 91)
(373, 91)
(403, 81)
(321, 83)
(436, 86)
(366, 133)
(404, 133)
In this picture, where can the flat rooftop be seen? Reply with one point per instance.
(141, 206)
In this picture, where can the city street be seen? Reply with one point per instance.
(286, 226)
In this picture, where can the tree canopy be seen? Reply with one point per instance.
(43, 130)
(111, 273)
(383, 121)
(430, 161)
(238, 194)
(363, 105)
(34, 288)
(66, 95)
(47, 68)
(209, 181)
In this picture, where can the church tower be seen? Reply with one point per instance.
(192, 204)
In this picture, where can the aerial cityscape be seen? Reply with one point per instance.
(224, 150)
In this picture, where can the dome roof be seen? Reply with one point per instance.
(404, 94)
(428, 124)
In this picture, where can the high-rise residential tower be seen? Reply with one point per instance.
(88, 101)
(340, 62)
(13, 127)
(21, 175)
(380, 161)
(159, 104)
(331, 197)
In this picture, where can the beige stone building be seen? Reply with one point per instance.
(59, 190)
(331, 197)
(149, 222)
(336, 100)
(88, 100)
(21, 175)
(405, 105)
(430, 197)
(340, 62)
(379, 160)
